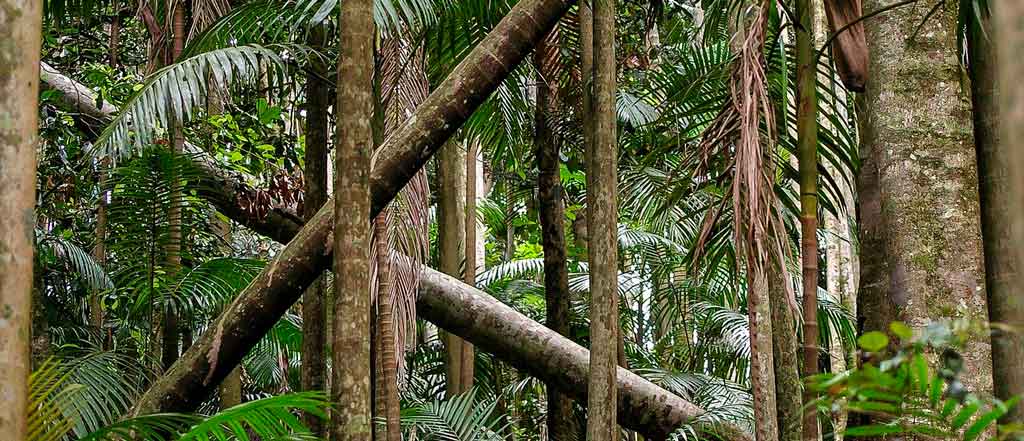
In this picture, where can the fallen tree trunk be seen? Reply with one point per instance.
(226, 190)
(251, 315)
(497, 328)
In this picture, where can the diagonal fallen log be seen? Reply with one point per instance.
(251, 315)
(447, 302)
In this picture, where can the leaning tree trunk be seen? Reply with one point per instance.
(602, 196)
(20, 30)
(350, 385)
(1001, 168)
(546, 58)
(314, 317)
(920, 235)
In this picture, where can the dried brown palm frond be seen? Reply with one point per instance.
(404, 85)
(743, 132)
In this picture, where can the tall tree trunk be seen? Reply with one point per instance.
(256, 309)
(451, 233)
(20, 31)
(602, 197)
(171, 335)
(1001, 179)
(467, 356)
(99, 251)
(115, 33)
(784, 356)
(352, 420)
(920, 235)
(807, 146)
(547, 145)
(314, 318)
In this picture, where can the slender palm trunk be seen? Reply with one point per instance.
(20, 31)
(467, 356)
(1001, 169)
(602, 179)
(807, 146)
(352, 419)
(99, 252)
(387, 391)
(560, 419)
(171, 327)
(314, 319)
(115, 33)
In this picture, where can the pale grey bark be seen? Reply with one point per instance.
(20, 22)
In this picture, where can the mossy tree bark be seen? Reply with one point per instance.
(918, 200)
(785, 357)
(602, 197)
(20, 31)
(350, 385)
(1001, 166)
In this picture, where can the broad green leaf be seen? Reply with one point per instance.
(901, 330)
(873, 341)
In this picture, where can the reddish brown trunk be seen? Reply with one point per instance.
(850, 48)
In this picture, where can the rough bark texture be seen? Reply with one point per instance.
(849, 49)
(560, 418)
(20, 22)
(528, 345)
(807, 146)
(351, 366)
(602, 197)
(388, 383)
(273, 291)
(920, 235)
(1001, 165)
(784, 357)
(314, 178)
(451, 230)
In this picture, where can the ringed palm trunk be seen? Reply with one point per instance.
(807, 146)
(451, 171)
(351, 355)
(467, 354)
(20, 31)
(388, 382)
(602, 179)
(997, 132)
(560, 418)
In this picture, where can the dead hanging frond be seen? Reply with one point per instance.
(743, 132)
(404, 86)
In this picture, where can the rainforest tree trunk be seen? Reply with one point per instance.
(784, 356)
(171, 330)
(20, 31)
(1001, 169)
(807, 146)
(451, 232)
(467, 357)
(921, 248)
(602, 196)
(314, 317)
(546, 58)
(352, 420)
